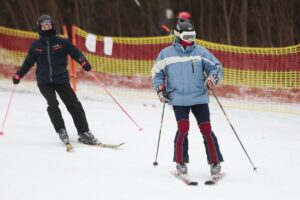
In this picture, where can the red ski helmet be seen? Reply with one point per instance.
(184, 16)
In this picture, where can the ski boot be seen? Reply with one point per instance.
(181, 168)
(215, 170)
(88, 138)
(62, 133)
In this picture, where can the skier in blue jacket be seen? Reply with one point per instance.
(182, 75)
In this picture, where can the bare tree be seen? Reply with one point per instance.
(227, 17)
(244, 22)
(254, 23)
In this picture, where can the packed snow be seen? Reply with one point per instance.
(35, 164)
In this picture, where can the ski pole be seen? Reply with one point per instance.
(108, 92)
(254, 168)
(147, 17)
(7, 110)
(155, 163)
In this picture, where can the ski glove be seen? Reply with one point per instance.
(211, 81)
(16, 79)
(86, 66)
(162, 93)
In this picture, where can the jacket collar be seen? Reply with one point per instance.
(49, 38)
(180, 48)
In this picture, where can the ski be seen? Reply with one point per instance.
(111, 146)
(184, 178)
(69, 147)
(214, 179)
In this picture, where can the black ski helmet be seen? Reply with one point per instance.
(44, 19)
(184, 26)
(185, 31)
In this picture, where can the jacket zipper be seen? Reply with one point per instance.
(193, 66)
(49, 60)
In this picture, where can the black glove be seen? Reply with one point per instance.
(16, 79)
(211, 81)
(162, 93)
(87, 67)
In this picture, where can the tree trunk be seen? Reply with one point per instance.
(244, 22)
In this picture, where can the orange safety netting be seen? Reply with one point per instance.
(14, 45)
(260, 75)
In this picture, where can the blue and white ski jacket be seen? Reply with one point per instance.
(182, 70)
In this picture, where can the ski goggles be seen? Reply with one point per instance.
(46, 22)
(183, 20)
(187, 36)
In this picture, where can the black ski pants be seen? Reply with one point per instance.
(70, 100)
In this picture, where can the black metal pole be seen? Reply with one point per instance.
(254, 168)
(155, 163)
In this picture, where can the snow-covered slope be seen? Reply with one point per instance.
(34, 164)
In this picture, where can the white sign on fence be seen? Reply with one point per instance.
(90, 42)
(108, 46)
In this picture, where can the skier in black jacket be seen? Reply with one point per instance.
(50, 53)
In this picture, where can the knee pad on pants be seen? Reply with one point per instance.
(183, 125)
(205, 128)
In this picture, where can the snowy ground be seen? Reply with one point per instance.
(34, 164)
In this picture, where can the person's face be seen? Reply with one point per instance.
(45, 26)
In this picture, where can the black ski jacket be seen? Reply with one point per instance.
(51, 55)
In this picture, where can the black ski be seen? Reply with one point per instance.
(184, 178)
